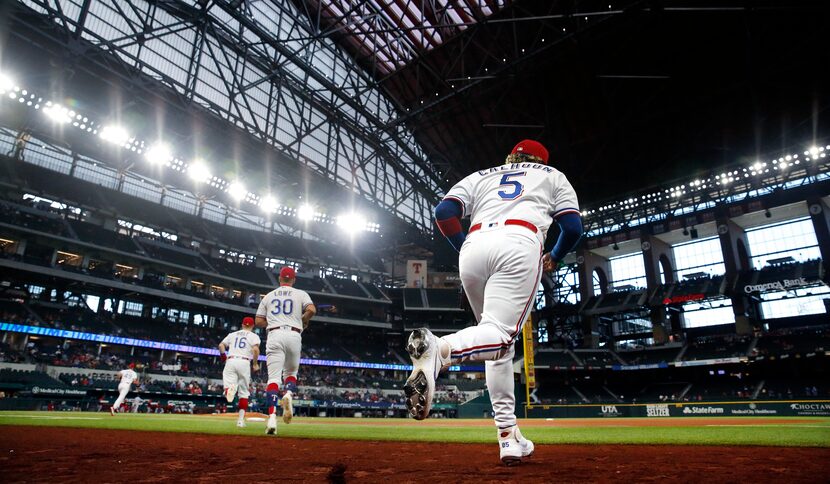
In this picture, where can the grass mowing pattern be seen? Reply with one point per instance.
(812, 432)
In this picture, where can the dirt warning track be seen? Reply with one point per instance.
(43, 454)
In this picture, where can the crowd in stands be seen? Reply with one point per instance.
(793, 340)
(194, 374)
(160, 247)
(721, 346)
(146, 383)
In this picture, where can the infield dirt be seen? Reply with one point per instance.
(48, 454)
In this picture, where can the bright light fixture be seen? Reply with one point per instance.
(814, 151)
(352, 222)
(158, 154)
(237, 190)
(305, 212)
(269, 204)
(198, 171)
(6, 83)
(114, 134)
(57, 113)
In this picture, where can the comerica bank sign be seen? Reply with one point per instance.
(781, 285)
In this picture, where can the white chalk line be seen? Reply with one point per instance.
(773, 425)
(51, 417)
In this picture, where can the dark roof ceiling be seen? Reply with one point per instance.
(389, 34)
(624, 97)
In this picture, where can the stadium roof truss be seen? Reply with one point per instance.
(390, 34)
(735, 183)
(267, 68)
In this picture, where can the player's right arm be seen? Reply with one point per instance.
(223, 348)
(260, 321)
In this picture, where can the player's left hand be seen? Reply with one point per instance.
(550, 265)
(547, 263)
(255, 366)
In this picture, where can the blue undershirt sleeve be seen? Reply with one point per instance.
(571, 231)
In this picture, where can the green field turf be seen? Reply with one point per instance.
(804, 431)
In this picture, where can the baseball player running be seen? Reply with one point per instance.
(501, 259)
(128, 377)
(239, 350)
(285, 311)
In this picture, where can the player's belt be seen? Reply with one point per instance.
(239, 358)
(292, 328)
(510, 221)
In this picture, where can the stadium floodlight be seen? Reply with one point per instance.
(269, 204)
(198, 171)
(114, 134)
(57, 113)
(352, 222)
(814, 151)
(237, 190)
(6, 83)
(159, 154)
(305, 212)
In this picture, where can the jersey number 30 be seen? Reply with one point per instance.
(518, 188)
(282, 306)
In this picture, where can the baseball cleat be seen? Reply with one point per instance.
(271, 426)
(112, 411)
(241, 424)
(287, 404)
(423, 348)
(230, 393)
(513, 447)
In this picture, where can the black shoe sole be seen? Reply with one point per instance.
(415, 390)
(511, 461)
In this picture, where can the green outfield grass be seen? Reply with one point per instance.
(804, 431)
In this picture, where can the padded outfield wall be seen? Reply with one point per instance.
(778, 408)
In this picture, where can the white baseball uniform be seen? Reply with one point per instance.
(137, 401)
(511, 208)
(283, 310)
(240, 350)
(128, 376)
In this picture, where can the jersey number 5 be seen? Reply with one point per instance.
(282, 306)
(518, 189)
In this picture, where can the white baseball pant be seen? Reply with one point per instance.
(123, 390)
(237, 372)
(282, 353)
(500, 269)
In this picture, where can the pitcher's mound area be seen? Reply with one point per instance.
(43, 454)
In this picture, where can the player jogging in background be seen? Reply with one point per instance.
(239, 350)
(501, 260)
(128, 377)
(285, 311)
